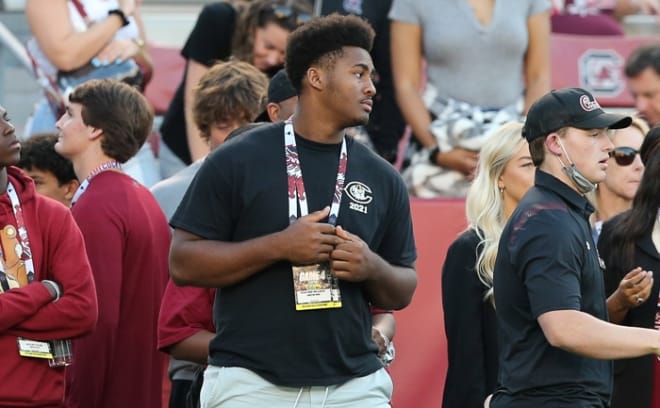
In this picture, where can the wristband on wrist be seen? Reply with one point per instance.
(121, 15)
(55, 287)
(432, 152)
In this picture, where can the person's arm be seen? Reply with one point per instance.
(387, 286)
(383, 327)
(143, 57)
(196, 261)
(64, 47)
(19, 304)
(194, 348)
(637, 284)
(537, 58)
(75, 312)
(385, 324)
(406, 49)
(185, 322)
(586, 335)
(198, 147)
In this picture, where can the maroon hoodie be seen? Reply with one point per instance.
(58, 253)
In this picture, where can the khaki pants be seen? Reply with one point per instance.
(235, 387)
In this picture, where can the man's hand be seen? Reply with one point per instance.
(310, 241)
(350, 258)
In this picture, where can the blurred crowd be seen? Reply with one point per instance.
(172, 240)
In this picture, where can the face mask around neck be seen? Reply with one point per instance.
(581, 183)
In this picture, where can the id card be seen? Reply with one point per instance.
(34, 348)
(315, 287)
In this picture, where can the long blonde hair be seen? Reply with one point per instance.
(484, 203)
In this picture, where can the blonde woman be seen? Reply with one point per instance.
(505, 172)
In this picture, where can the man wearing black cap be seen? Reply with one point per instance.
(554, 338)
(282, 98)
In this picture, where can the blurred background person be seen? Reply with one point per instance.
(63, 40)
(463, 42)
(597, 17)
(624, 172)
(226, 99)
(228, 96)
(255, 32)
(630, 247)
(52, 174)
(281, 101)
(643, 77)
(505, 174)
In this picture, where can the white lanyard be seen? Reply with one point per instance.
(295, 178)
(109, 165)
(23, 250)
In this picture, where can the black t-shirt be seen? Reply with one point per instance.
(547, 261)
(209, 42)
(241, 193)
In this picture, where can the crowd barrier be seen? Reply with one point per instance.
(420, 366)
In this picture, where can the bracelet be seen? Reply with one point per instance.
(121, 15)
(139, 42)
(432, 152)
(55, 286)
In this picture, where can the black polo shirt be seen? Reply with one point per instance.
(547, 261)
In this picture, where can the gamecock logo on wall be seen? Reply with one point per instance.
(601, 72)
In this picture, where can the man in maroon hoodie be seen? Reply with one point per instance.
(46, 287)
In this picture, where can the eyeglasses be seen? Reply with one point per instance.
(289, 13)
(624, 155)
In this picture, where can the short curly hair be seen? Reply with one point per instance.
(38, 153)
(321, 40)
(120, 111)
(232, 91)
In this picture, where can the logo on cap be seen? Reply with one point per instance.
(587, 104)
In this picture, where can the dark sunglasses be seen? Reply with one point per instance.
(289, 13)
(624, 155)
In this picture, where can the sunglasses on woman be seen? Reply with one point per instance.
(624, 155)
(289, 13)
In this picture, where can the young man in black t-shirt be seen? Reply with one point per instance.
(300, 261)
(554, 339)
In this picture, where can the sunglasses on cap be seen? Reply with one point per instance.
(289, 13)
(624, 155)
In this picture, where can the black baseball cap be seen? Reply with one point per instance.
(279, 89)
(574, 107)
